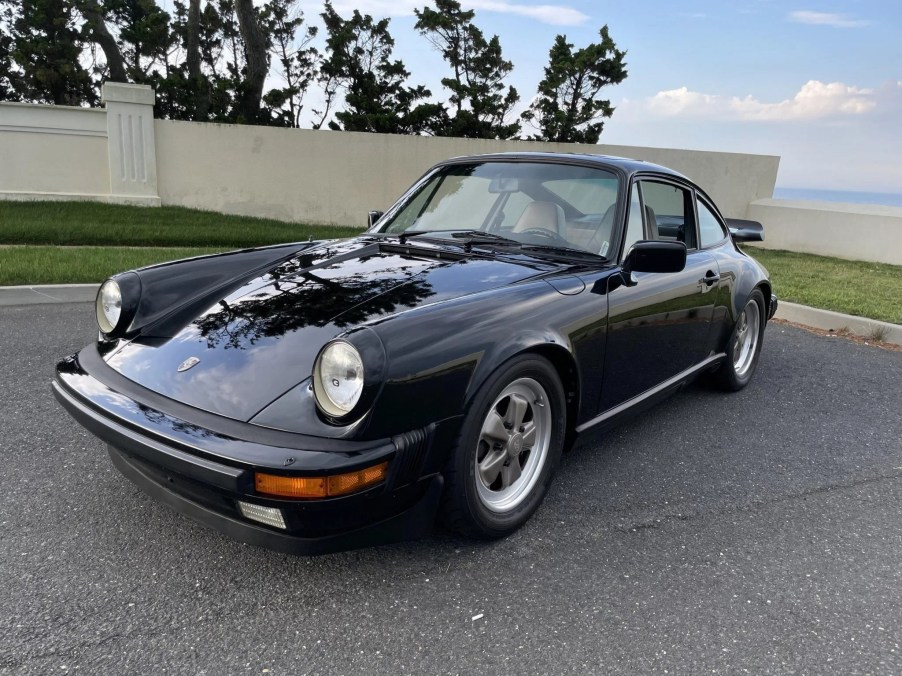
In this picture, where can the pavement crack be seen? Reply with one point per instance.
(658, 521)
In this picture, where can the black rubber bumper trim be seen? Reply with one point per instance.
(216, 474)
(142, 430)
(772, 309)
(89, 363)
(410, 524)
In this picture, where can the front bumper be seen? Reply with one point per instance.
(203, 468)
(772, 306)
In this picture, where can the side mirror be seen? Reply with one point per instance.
(654, 256)
(372, 217)
(745, 231)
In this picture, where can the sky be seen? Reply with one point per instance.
(817, 82)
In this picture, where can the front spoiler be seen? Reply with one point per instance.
(408, 525)
(203, 474)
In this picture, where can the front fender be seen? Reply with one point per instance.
(440, 355)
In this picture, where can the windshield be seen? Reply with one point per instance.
(534, 203)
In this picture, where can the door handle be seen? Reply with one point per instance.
(710, 278)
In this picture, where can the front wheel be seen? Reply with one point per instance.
(744, 345)
(507, 451)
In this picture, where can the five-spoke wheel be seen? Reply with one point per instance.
(513, 444)
(744, 345)
(508, 449)
(745, 339)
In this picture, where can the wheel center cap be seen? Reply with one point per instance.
(515, 445)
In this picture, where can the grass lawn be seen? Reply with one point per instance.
(99, 224)
(859, 288)
(72, 242)
(70, 265)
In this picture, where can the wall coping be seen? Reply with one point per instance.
(836, 207)
(82, 109)
(121, 92)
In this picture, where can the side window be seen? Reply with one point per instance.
(710, 230)
(668, 212)
(634, 223)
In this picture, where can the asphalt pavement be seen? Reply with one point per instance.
(759, 531)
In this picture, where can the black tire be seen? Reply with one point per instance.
(471, 506)
(736, 371)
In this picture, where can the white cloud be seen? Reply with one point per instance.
(815, 100)
(826, 19)
(555, 15)
(852, 150)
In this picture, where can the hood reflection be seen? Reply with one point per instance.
(296, 297)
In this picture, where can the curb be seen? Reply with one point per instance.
(800, 314)
(828, 320)
(47, 293)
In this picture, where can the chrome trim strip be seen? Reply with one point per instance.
(638, 399)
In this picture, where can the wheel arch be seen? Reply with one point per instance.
(767, 290)
(567, 371)
(564, 364)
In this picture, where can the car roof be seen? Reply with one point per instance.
(625, 164)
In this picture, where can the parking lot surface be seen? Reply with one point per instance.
(757, 531)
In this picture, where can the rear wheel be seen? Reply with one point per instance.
(507, 451)
(744, 345)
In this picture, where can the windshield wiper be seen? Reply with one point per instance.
(471, 236)
(563, 250)
(404, 236)
(476, 236)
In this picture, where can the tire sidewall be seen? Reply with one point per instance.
(482, 520)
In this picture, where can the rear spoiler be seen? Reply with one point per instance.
(745, 231)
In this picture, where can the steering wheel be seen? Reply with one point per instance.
(544, 233)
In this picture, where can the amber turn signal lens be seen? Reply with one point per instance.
(320, 486)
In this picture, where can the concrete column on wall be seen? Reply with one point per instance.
(132, 150)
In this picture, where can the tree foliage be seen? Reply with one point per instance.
(46, 43)
(567, 108)
(256, 62)
(297, 60)
(480, 101)
(143, 34)
(10, 76)
(376, 97)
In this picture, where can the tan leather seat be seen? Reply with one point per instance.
(544, 215)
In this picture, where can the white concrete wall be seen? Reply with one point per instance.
(46, 150)
(337, 177)
(61, 152)
(121, 154)
(851, 231)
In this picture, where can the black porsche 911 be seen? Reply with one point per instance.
(320, 396)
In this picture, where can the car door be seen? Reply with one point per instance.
(659, 327)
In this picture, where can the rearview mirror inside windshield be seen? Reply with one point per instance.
(502, 184)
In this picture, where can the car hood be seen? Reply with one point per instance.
(257, 342)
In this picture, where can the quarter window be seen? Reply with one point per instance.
(710, 229)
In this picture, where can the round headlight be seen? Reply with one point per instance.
(338, 378)
(109, 306)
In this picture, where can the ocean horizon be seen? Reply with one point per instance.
(849, 196)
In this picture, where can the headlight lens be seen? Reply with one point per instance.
(109, 306)
(338, 378)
